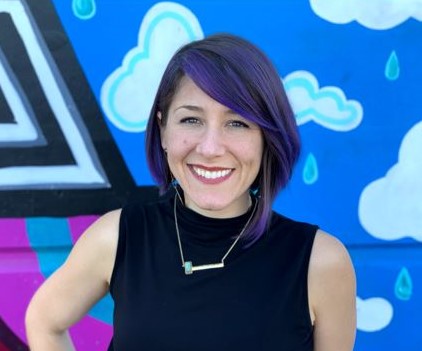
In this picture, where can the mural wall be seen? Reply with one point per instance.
(77, 79)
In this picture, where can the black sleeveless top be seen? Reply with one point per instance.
(258, 301)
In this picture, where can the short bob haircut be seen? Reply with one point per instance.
(237, 74)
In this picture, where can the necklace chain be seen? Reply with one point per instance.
(187, 265)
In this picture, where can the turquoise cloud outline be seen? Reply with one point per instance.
(142, 53)
(351, 107)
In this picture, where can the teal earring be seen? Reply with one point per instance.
(175, 184)
(254, 191)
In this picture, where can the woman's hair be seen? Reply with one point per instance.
(237, 74)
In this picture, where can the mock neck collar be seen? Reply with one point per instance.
(201, 229)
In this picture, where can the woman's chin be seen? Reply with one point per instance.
(216, 207)
(207, 206)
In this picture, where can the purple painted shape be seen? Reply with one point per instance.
(16, 292)
(20, 277)
(13, 233)
(20, 274)
(78, 225)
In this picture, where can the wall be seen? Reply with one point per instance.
(74, 100)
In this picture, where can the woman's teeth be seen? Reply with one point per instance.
(211, 174)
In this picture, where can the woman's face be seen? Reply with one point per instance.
(214, 153)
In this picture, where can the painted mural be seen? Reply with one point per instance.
(77, 80)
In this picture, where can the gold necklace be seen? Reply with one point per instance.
(187, 265)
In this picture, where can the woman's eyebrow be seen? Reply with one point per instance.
(195, 108)
(190, 108)
(231, 112)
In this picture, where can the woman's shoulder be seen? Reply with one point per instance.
(102, 235)
(331, 283)
(329, 254)
(330, 265)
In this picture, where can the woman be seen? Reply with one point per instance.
(209, 267)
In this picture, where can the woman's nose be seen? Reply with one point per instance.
(211, 143)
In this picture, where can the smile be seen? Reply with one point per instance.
(211, 174)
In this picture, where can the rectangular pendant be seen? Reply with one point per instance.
(190, 268)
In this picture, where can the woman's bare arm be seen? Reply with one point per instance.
(74, 288)
(332, 295)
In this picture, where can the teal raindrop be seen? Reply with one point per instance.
(84, 9)
(310, 170)
(392, 67)
(404, 286)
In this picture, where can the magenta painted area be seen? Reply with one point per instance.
(78, 225)
(20, 274)
(20, 277)
(13, 233)
(16, 292)
(90, 334)
(16, 255)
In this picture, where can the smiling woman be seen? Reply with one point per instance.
(214, 153)
(234, 73)
(210, 266)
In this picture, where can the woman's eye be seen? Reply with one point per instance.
(189, 120)
(238, 124)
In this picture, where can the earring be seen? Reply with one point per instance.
(254, 192)
(175, 185)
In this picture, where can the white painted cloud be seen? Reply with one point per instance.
(373, 14)
(391, 207)
(373, 314)
(327, 106)
(128, 93)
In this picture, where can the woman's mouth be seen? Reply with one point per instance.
(211, 174)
